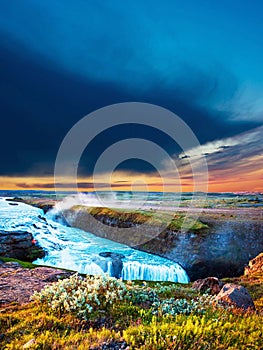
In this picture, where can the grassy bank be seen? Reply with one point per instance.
(212, 330)
(137, 217)
(24, 264)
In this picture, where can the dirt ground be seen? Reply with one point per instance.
(17, 284)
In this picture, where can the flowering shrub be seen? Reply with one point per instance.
(182, 306)
(177, 291)
(82, 296)
(141, 294)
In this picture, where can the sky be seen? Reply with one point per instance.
(202, 60)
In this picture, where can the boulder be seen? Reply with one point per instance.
(19, 245)
(210, 284)
(235, 295)
(255, 265)
(112, 255)
(117, 263)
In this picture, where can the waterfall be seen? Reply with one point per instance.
(77, 250)
(142, 271)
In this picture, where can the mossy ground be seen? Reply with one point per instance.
(24, 264)
(213, 330)
(28, 265)
(137, 217)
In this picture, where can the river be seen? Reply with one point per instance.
(75, 249)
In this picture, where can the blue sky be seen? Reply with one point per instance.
(106, 39)
(61, 60)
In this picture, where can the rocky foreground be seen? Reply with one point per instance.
(18, 283)
(160, 315)
(184, 316)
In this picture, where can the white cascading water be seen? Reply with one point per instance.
(75, 249)
(137, 271)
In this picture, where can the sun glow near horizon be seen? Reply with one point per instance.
(232, 168)
(250, 182)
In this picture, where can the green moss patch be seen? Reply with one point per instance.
(137, 217)
(27, 265)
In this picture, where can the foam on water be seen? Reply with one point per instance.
(74, 249)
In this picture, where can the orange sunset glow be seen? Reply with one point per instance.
(223, 181)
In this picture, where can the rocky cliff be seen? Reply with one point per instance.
(19, 245)
(220, 244)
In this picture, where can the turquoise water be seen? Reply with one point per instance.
(74, 249)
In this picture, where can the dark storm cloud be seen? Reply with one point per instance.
(121, 181)
(83, 185)
(58, 65)
(40, 103)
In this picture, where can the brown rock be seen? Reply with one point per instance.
(255, 265)
(235, 295)
(17, 284)
(209, 284)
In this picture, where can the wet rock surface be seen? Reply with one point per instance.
(19, 245)
(111, 255)
(223, 251)
(17, 284)
(116, 259)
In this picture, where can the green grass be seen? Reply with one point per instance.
(24, 264)
(171, 289)
(175, 223)
(49, 331)
(179, 222)
(29, 265)
(213, 330)
(141, 330)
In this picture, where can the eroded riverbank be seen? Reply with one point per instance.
(221, 242)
